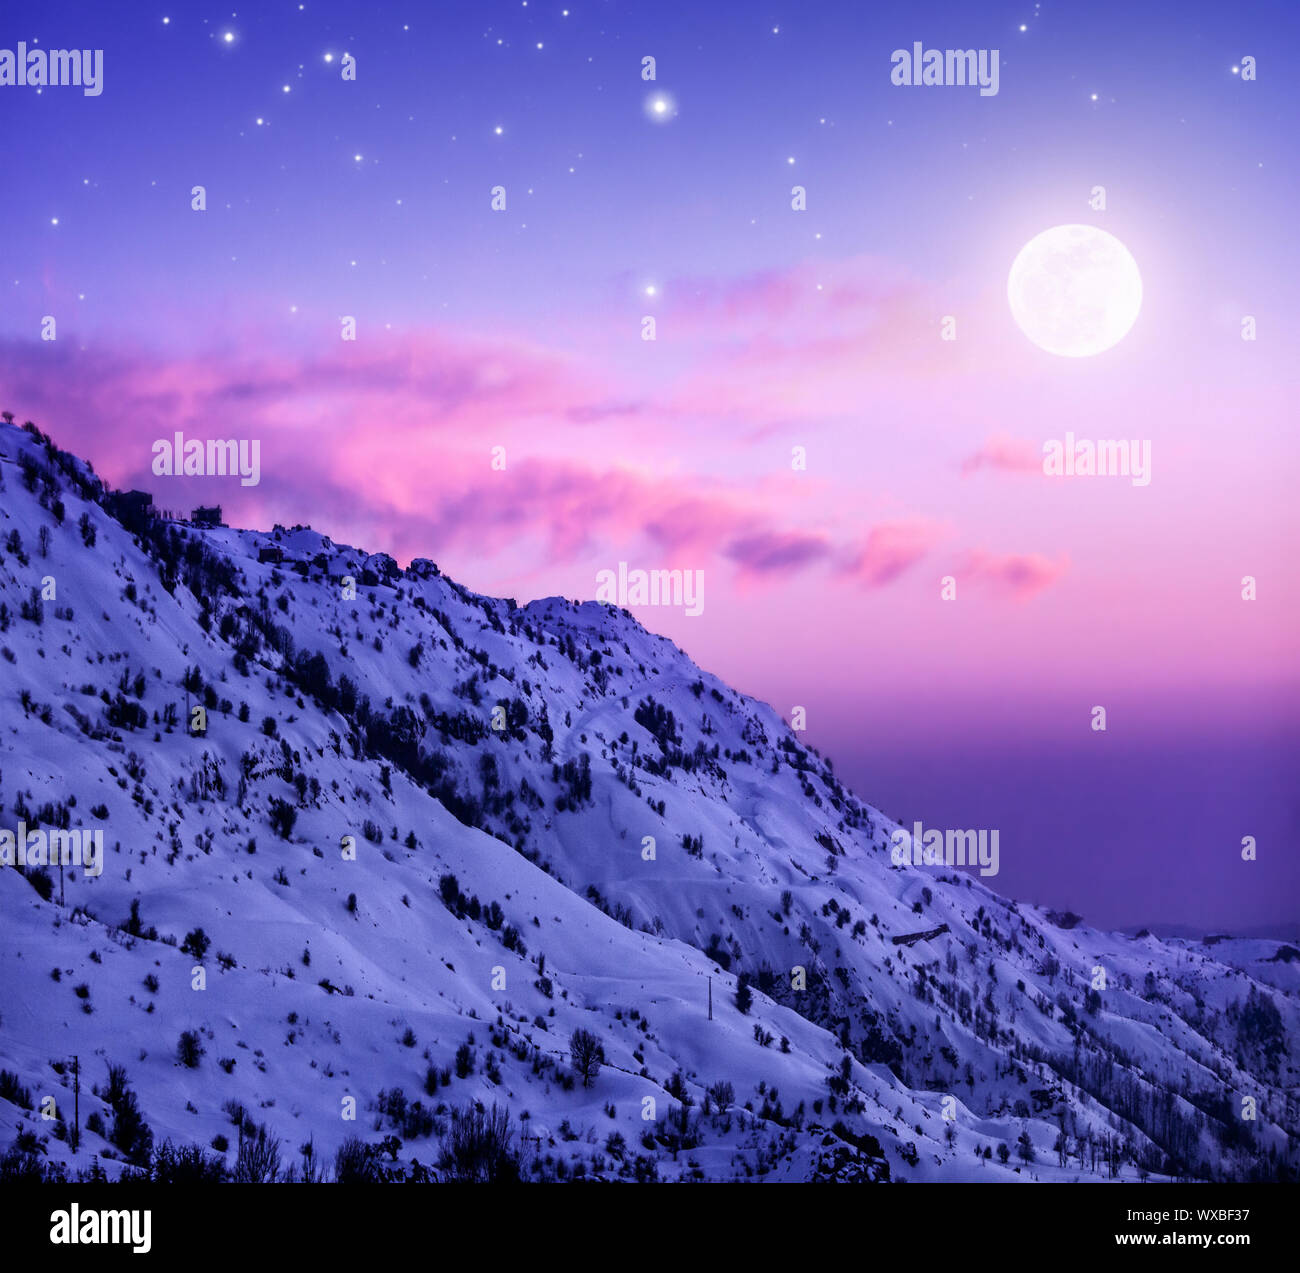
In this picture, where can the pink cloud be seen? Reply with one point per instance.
(421, 384)
(891, 549)
(392, 448)
(1006, 454)
(777, 552)
(802, 344)
(1015, 575)
(780, 297)
(388, 443)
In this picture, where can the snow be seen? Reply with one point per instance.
(403, 960)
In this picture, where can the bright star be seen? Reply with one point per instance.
(660, 107)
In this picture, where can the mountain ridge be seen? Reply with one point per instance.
(552, 757)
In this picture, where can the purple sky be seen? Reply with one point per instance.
(776, 329)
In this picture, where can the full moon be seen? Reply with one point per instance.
(1075, 290)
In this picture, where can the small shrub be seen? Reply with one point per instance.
(189, 1049)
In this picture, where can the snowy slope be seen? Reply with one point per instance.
(642, 830)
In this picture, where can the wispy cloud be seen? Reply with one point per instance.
(891, 549)
(389, 442)
(1005, 454)
(1017, 576)
(777, 552)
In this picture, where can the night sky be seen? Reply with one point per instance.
(821, 329)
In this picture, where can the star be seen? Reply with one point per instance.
(229, 37)
(660, 107)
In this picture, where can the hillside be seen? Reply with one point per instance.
(415, 838)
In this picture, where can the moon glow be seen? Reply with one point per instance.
(1075, 290)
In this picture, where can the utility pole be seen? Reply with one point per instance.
(76, 1104)
(710, 998)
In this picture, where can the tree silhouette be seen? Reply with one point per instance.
(587, 1055)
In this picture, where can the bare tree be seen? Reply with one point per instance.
(258, 1160)
(587, 1055)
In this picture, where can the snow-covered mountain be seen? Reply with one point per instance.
(376, 845)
